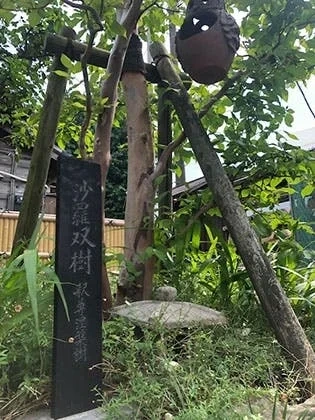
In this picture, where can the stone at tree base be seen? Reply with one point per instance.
(125, 412)
(168, 293)
(44, 414)
(171, 315)
(264, 407)
(305, 410)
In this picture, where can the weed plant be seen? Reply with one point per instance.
(26, 309)
(205, 267)
(210, 375)
(25, 344)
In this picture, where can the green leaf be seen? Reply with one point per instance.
(78, 105)
(286, 190)
(195, 238)
(307, 190)
(76, 68)
(13, 267)
(35, 235)
(65, 60)
(117, 28)
(6, 15)
(159, 254)
(58, 285)
(245, 193)
(291, 135)
(30, 264)
(34, 18)
(61, 73)
(275, 181)
(288, 119)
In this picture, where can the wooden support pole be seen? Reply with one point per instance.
(164, 138)
(139, 212)
(57, 44)
(276, 305)
(181, 178)
(33, 194)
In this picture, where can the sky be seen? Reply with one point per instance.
(303, 118)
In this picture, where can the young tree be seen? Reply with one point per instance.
(243, 115)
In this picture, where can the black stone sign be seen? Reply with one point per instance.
(77, 344)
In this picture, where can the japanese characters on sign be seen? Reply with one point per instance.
(81, 257)
(77, 343)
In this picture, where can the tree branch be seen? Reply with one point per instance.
(168, 9)
(88, 8)
(160, 167)
(222, 92)
(88, 113)
(128, 19)
(305, 99)
(203, 209)
(154, 3)
(84, 62)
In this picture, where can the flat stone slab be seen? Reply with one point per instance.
(45, 415)
(305, 410)
(265, 408)
(170, 314)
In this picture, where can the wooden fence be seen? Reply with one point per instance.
(113, 235)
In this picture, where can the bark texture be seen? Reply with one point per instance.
(276, 305)
(135, 280)
(34, 190)
(129, 15)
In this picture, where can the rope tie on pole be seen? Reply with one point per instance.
(134, 60)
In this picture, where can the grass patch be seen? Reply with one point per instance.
(203, 377)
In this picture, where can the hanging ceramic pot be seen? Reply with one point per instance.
(207, 41)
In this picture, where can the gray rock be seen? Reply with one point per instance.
(167, 293)
(304, 411)
(126, 412)
(266, 408)
(170, 314)
(45, 415)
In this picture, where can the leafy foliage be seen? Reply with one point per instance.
(195, 254)
(23, 65)
(25, 338)
(26, 297)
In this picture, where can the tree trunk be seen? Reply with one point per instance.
(33, 194)
(130, 13)
(278, 310)
(135, 280)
